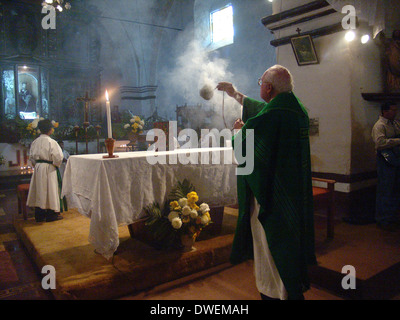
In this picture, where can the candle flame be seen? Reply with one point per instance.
(107, 96)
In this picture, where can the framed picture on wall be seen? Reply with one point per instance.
(303, 47)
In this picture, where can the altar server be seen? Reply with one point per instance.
(275, 223)
(45, 186)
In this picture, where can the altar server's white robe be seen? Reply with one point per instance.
(44, 191)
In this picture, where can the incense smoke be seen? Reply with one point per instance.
(194, 70)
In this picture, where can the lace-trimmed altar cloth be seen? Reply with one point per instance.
(113, 192)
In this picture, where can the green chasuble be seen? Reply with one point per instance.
(281, 183)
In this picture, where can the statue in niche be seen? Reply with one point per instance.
(27, 101)
(391, 61)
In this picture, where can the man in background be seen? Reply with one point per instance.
(386, 136)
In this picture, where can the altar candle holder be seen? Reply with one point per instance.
(110, 148)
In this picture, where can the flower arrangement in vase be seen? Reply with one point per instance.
(31, 131)
(181, 220)
(134, 128)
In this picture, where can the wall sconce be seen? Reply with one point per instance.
(350, 35)
(361, 33)
(365, 38)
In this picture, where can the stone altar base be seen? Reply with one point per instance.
(136, 266)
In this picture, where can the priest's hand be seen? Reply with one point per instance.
(227, 87)
(231, 91)
(238, 124)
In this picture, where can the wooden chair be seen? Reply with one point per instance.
(22, 195)
(326, 194)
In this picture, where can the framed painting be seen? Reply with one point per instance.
(304, 50)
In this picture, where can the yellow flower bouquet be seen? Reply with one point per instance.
(181, 216)
(31, 131)
(135, 125)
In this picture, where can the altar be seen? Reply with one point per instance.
(113, 192)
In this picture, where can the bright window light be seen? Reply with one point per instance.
(221, 21)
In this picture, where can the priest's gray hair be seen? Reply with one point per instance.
(280, 78)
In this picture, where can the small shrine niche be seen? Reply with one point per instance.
(24, 91)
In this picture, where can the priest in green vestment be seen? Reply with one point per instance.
(275, 225)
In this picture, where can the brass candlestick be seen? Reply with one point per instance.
(110, 148)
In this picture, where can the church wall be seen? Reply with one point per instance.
(324, 89)
(365, 77)
(132, 42)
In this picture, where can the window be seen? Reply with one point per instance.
(221, 23)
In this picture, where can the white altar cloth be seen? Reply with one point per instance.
(113, 192)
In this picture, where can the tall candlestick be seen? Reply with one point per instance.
(108, 109)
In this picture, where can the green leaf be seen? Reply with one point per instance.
(158, 224)
(181, 190)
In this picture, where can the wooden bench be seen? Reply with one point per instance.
(326, 194)
(22, 195)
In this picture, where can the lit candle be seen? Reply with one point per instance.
(108, 109)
